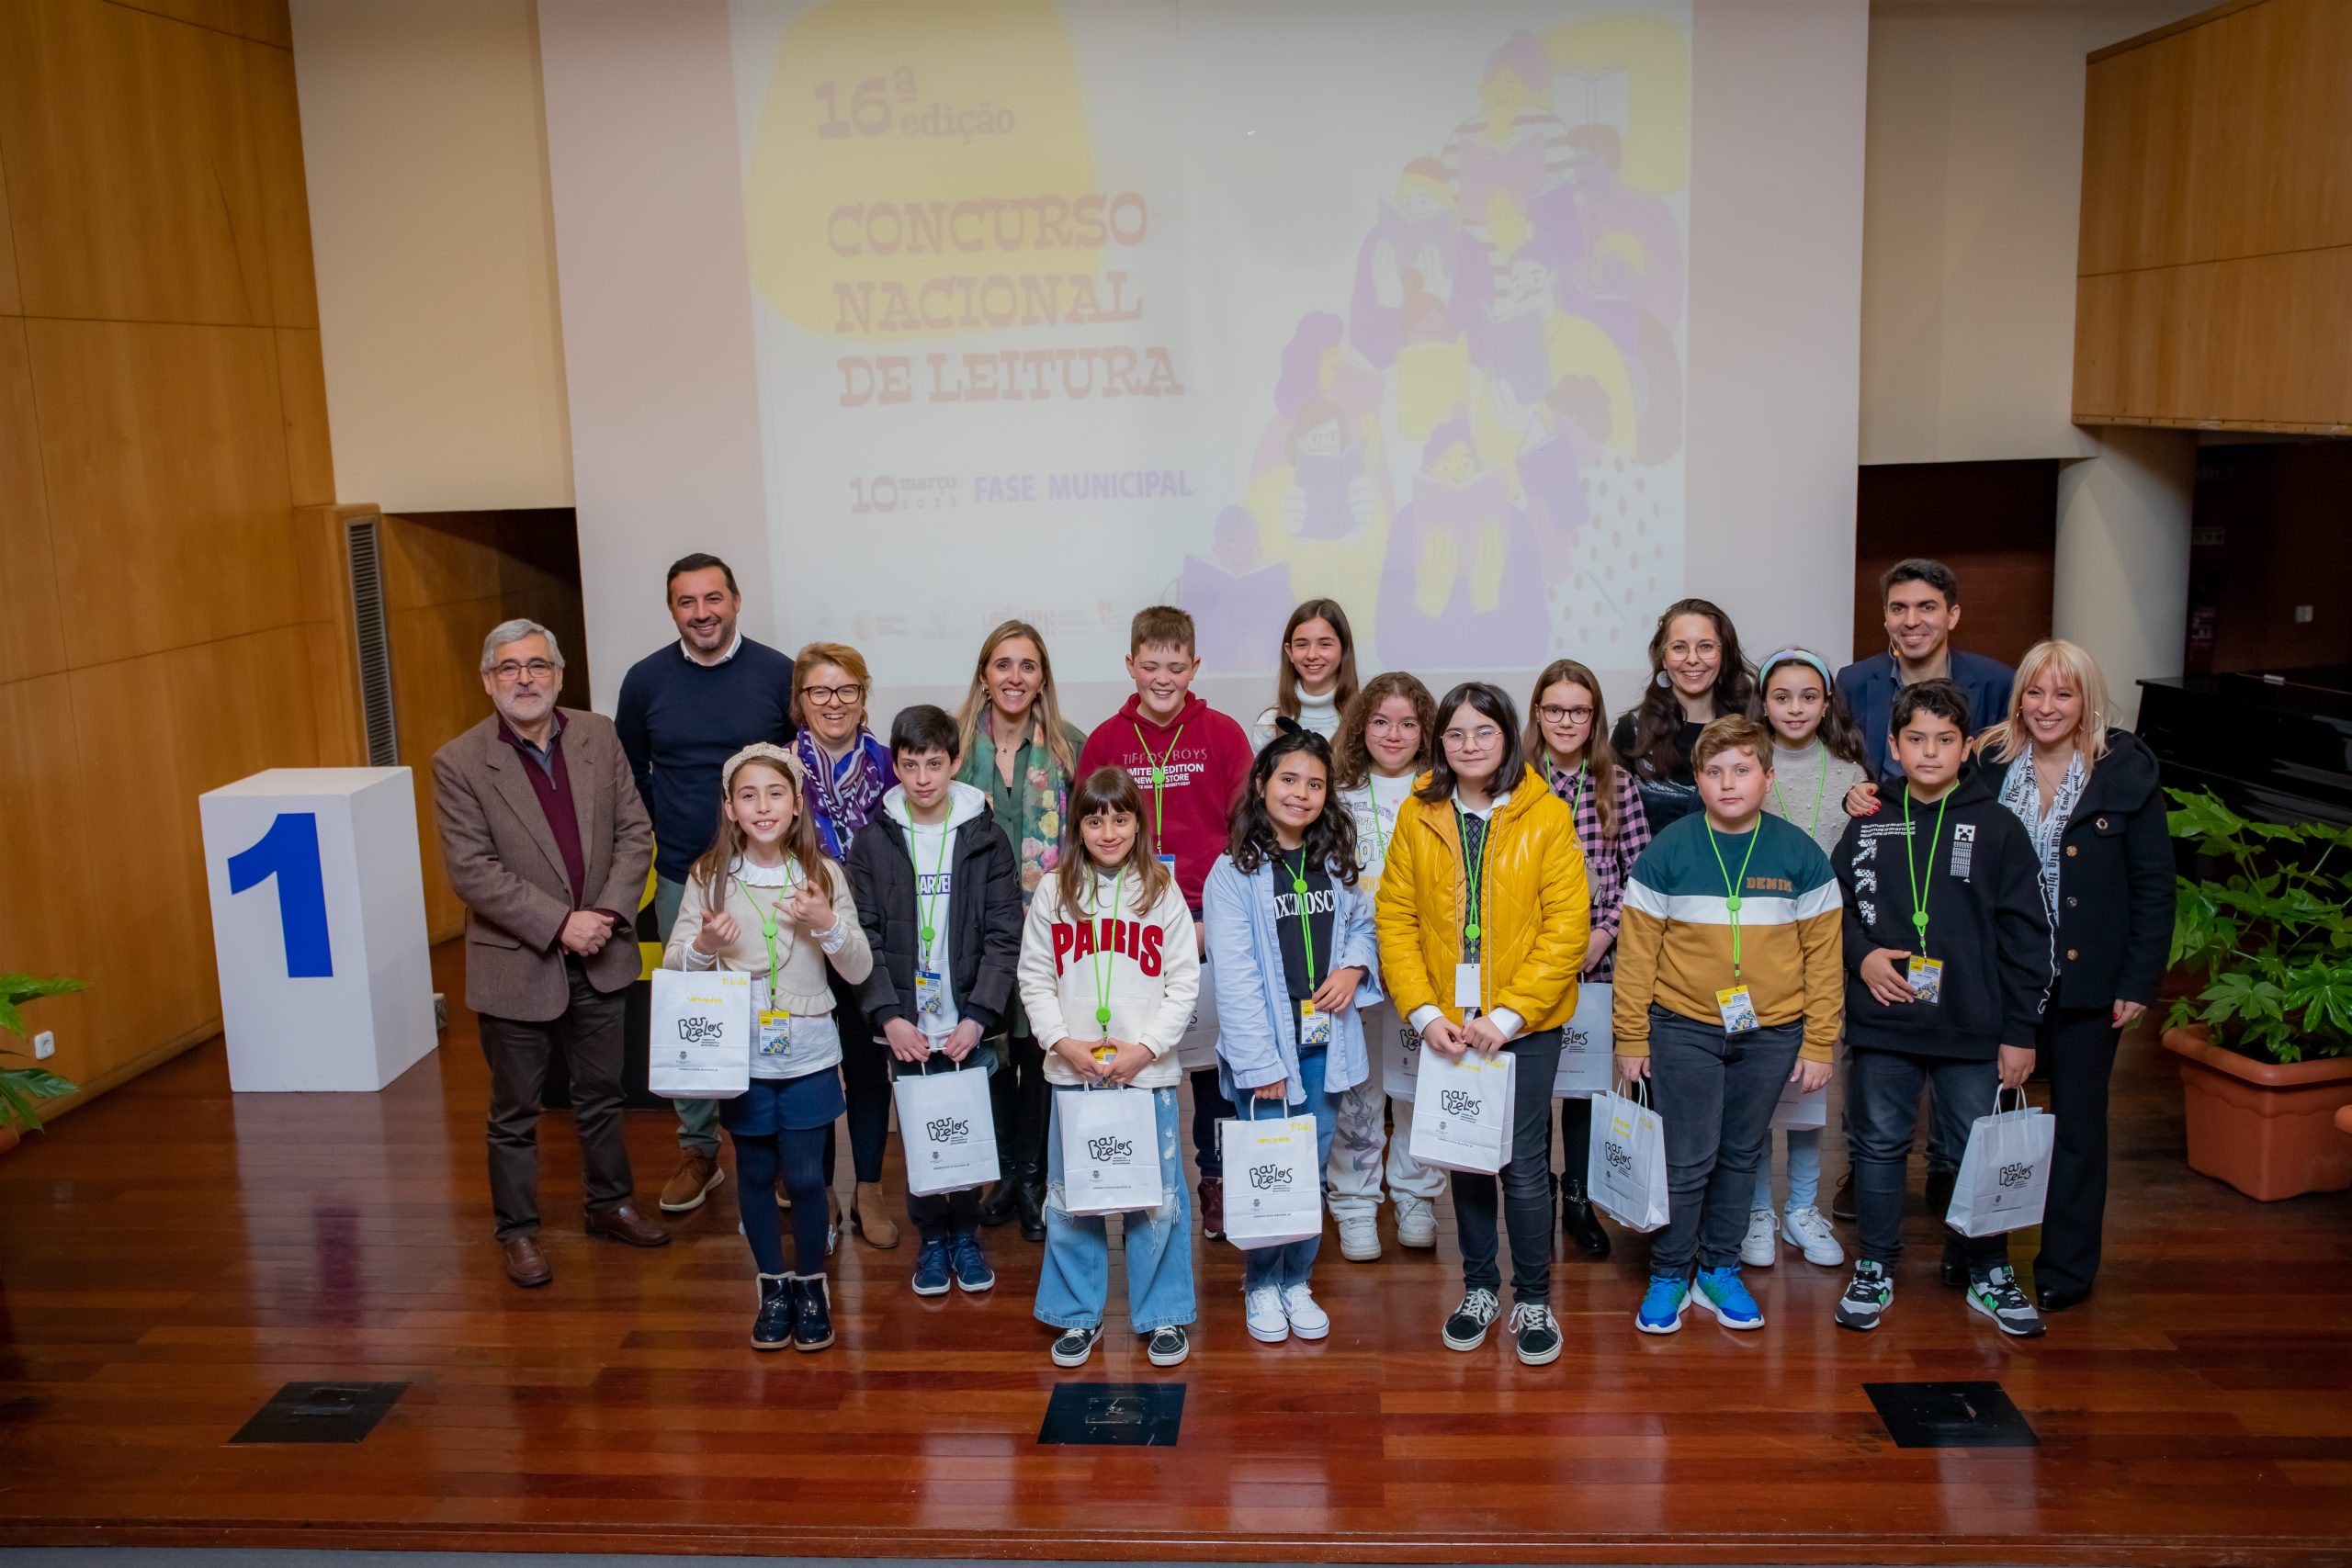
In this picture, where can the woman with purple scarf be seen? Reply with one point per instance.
(847, 772)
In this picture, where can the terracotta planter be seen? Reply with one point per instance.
(2268, 1130)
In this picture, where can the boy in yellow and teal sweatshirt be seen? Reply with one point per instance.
(1730, 985)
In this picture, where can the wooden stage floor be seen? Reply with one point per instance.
(172, 1255)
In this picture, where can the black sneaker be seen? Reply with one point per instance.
(772, 1329)
(1843, 1203)
(1467, 1328)
(1536, 1334)
(1167, 1347)
(1998, 1297)
(1074, 1345)
(1867, 1296)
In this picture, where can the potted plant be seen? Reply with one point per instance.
(22, 1088)
(2265, 1038)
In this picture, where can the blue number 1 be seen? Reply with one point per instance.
(289, 852)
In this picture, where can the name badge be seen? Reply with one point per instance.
(930, 993)
(775, 1034)
(1466, 987)
(1927, 977)
(1738, 1009)
(1314, 1027)
(1168, 861)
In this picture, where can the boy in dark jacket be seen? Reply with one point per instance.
(1948, 964)
(939, 894)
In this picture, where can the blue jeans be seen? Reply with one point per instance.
(1715, 1094)
(1805, 1169)
(1075, 1279)
(1281, 1265)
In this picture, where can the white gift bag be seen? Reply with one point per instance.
(2004, 1174)
(1109, 1140)
(1799, 1111)
(1461, 1116)
(700, 1036)
(946, 1126)
(1274, 1183)
(1196, 1049)
(1588, 1045)
(1396, 1047)
(1626, 1177)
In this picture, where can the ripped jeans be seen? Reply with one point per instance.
(1074, 1284)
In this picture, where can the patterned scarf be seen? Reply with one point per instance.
(845, 801)
(2022, 792)
(1041, 789)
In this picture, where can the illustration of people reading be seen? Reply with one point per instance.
(1503, 160)
(1315, 367)
(1416, 248)
(1461, 587)
(1331, 494)
(1238, 598)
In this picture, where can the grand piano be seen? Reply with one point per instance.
(2275, 746)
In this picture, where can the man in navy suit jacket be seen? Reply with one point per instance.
(1922, 600)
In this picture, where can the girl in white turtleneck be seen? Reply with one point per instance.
(1318, 673)
(1817, 756)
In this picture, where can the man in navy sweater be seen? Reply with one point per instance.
(1922, 600)
(684, 710)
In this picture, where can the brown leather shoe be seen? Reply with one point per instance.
(873, 1222)
(526, 1264)
(690, 1183)
(626, 1225)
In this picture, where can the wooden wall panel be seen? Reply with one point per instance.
(2259, 342)
(2216, 233)
(437, 694)
(303, 402)
(45, 926)
(133, 175)
(285, 200)
(11, 300)
(29, 626)
(165, 459)
(321, 564)
(264, 21)
(173, 725)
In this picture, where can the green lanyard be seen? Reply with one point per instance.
(1158, 776)
(1101, 958)
(770, 923)
(1474, 874)
(1306, 923)
(1731, 890)
(1576, 794)
(1379, 836)
(1911, 863)
(930, 901)
(1820, 785)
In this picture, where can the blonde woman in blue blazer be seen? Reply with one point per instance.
(1293, 956)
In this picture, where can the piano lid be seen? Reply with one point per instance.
(2276, 746)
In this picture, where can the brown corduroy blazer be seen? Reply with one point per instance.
(503, 862)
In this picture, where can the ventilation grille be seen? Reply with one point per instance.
(374, 644)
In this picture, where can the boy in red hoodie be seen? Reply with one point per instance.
(1190, 763)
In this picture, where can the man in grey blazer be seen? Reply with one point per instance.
(545, 839)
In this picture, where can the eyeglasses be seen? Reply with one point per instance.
(832, 696)
(1394, 725)
(511, 672)
(1552, 713)
(1486, 735)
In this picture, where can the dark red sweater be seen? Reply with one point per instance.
(1205, 774)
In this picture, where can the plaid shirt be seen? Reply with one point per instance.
(1605, 864)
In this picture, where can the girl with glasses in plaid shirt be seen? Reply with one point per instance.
(1567, 741)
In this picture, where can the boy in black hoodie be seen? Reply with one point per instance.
(939, 894)
(1947, 961)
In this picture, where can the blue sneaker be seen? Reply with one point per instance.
(1721, 1292)
(1662, 1308)
(973, 1274)
(931, 1269)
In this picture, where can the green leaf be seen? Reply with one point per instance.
(39, 1082)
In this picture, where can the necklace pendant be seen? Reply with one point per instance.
(927, 935)
(1471, 931)
(1103, 1016)
(1731, 903)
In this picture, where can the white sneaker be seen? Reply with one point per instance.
(1308, 1320)
(1762, 1246)
(1805, 1228)
(1268, 1323)
(1416, 1222)
(1359, 1239)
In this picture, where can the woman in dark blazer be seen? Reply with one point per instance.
(2089, 799)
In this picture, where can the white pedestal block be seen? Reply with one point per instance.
(318, 925)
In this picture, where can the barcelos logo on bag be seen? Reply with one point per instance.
(1461, 1102)
(1619, 1156)
(946, 1129)
(1110, 1148)
(1270, 1176)
(2016, 1175)
(696, 1031)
